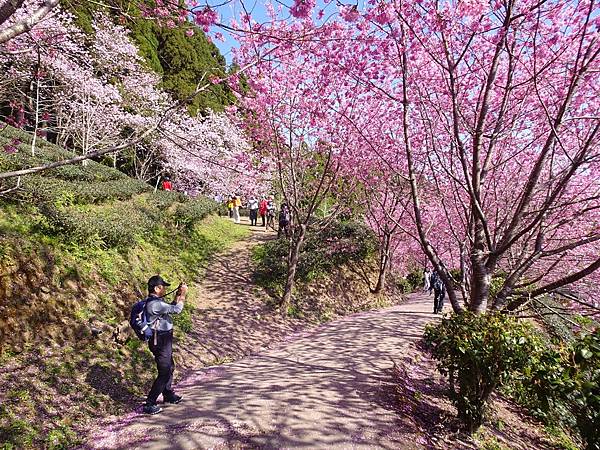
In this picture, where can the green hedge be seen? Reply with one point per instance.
(42, 189)
(191, 212)
(93, 203)
(561, 385)
(121, 223)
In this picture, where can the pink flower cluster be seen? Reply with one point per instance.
(206, 17)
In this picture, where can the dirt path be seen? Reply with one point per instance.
(231, 319)
(330, 387)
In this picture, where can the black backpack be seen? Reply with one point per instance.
(284, 215)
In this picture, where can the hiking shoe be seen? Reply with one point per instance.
(174, 399)
(152, 409)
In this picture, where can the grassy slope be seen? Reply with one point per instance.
(76, 246)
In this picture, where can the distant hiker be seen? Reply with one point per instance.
(439, 292)
(270, 213)
(230, 203)
(285, 218)
(161, 344)
(253, 209)
(237, 202)
(167, 185)
(262, 210)
(427, 280)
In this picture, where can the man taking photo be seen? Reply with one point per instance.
(161, 344)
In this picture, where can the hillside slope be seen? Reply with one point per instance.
(78, 244)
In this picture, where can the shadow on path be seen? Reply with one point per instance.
(330, 387)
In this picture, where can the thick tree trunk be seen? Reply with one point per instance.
(480, 285)
(292, 263)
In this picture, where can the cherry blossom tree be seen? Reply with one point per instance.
(211, 155)
(495, 107)
(290, 115)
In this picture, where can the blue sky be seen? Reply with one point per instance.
(234, 9)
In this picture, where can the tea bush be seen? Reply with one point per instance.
(120, 224)
(43, 189)
(561, 386)
(192, 211)
(581, 387)
(479, 353)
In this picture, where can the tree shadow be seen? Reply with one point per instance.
(110, 383)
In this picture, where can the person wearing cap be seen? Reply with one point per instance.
(161, 344)
(167, 185)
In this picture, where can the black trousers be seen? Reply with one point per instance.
(438, 299)
(253, 216)
(163, 355)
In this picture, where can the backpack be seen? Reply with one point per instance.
(437, 284)
(139, 321)
(284, 215)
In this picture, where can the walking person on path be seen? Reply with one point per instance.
(439, 292)
(270, 214)
(253, 210)
(285, 218)
(230, 206)
(262, 210)
(427, 280)
(161, 343)
(237, 202)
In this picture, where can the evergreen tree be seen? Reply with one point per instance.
(182, 61)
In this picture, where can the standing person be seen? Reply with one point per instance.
(262, 210)
(253, 210)
(270, 214)
(427, 280)
(166, 184)
(161, 344)
(439, 292)
(230, 206)
(284, 220)
(237, 202)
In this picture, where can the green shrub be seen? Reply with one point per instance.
(404, 285)
(43, 189)
(116, 225)
(193, 211)
(496, 284)
(536, 385)
(562, 386)
(47, 152)
(478, 353)
(163, 200)
(581, 387)
(341, 243)
(415, 280)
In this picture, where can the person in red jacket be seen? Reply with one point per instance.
(262, 210)
(167, 185)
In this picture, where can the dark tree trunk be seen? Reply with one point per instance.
(384, 264)
(292, 261)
